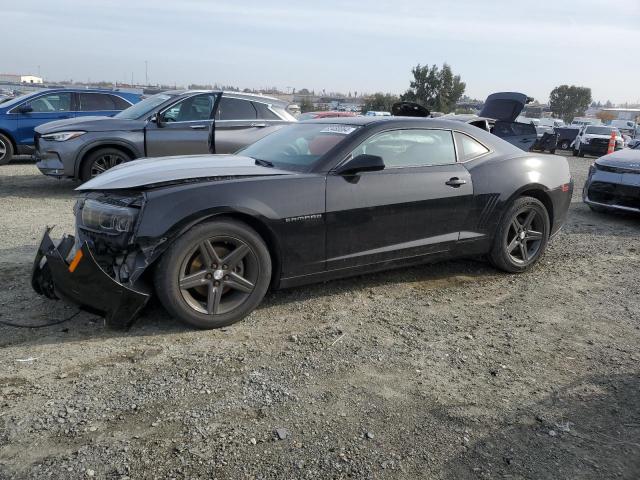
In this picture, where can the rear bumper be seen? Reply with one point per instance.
(84, 282)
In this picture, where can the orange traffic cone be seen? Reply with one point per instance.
(612, 143)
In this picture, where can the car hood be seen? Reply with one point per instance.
(625, 158)
(504, 106)
(91, 124)
(149, 172)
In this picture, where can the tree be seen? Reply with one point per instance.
(306, 105)
(437, 89)
(606, 117)
(568, 102)
(380, 102)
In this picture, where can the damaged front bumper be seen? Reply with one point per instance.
(84, 283)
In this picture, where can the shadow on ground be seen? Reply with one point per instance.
(588, 430)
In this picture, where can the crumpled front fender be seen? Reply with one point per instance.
(84, 283)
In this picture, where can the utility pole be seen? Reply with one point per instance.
(146, 72)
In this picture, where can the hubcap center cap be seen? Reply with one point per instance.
(218, 274)
(522, 235)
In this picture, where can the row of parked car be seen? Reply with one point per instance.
(82, 133)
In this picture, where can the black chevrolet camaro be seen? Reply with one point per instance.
(314, 201)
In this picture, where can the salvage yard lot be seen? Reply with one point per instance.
(446, 371)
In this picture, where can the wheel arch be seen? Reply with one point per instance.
(91, 148)
(260, 226)
(538, 192)
(11, 139)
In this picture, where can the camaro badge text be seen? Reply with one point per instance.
(301, 218)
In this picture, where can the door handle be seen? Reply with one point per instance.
(259, 125)
(198, 127)
(455, 182)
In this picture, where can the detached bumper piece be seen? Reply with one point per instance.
(83, 282)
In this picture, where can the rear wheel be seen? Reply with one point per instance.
(100, 161)
(522, 236)
(580, 152)
(565, 145)
(6, 150)
(214, 275)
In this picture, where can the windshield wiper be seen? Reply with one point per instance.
(263, 163)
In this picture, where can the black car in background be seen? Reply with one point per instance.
(566, 136)
(314, 201)
(498, 116)
(170, 123)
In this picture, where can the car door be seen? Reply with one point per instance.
(99, 104)
(182, 128)
(416, 206)
(41, 109)
(241, 122)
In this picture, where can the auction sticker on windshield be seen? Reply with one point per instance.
(341, 129)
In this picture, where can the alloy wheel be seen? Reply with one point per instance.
(105, 162)
(3, 150)
(524, 236)
(218, 275)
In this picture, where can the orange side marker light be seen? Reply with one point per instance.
(76, 260)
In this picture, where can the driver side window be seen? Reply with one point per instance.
(55, 102)
(196, 108)
(410, 148)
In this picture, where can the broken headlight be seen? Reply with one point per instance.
(105, 217)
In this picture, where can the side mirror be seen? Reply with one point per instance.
(157, 119)
(361, 163)
(25, 108)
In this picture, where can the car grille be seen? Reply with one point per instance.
(614, 194)
(599, 142)
(610, 169)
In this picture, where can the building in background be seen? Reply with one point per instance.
(15, 78)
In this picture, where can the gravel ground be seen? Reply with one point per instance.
(448, 371)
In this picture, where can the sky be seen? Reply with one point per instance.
(336, 45)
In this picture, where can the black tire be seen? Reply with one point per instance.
(196, 305)
(580, 153)
(503, 254)
(575, 152)
(565, 145)
(552, 151)
(100, 161)
(6, 150)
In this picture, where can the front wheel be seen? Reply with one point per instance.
(522, 236)
(214, 275)
(100, 161)
(6, 150)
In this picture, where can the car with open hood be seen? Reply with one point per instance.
(613, 183)
(314, 201)
(499, 116)
(175, 122)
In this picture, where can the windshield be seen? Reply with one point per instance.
(21, 98)
(144, 107)
(298, 147)
(600, 130)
